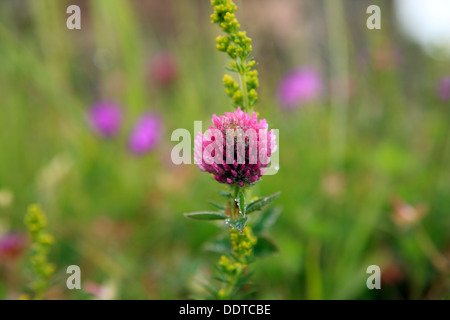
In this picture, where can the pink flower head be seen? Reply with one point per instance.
(236, 149)
(146, 134)
(444, 89)
(105, 118)
(11, 245)
(298, 87)
(163, 69)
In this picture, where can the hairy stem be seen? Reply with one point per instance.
(243, 83)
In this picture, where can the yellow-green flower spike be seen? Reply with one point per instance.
(242, 244)
(36, 221)
(238, 47)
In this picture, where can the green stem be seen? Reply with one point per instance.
(234, 199)
(243, 82)
(227, 292)
(232, 280)
(439, 261)
(339, 69)
(313, 272)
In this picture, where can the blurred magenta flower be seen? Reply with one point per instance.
(251, 165)
(405, 214)
(105, 118)
(444, 89)
(392, 274)
(298, 87)
(107, 291)
(11, 245)
(146, 134)
(163, 69)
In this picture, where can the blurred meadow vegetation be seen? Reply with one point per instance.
(350, 161)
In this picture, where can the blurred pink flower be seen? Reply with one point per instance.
(387, 58)
(392, 274)
(405, 214)
(444, 89)
(107, 291)
(12, 245)
(105, 118)
(298, 87)
(146, 134)
(163, 69)
(245, 144)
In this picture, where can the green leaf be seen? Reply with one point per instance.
(206, 216)
(221, 279)
(245, 279)
(241, 203)
(238, 224)
(246, 295)
(225, 194)
(207, 285)
(230, 69)
(266, 219)
(261, 203)
(264, 247)
(217, 205)
(221, 245)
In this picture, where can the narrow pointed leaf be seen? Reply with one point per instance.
(266, 219)
(264, 247)
(238, 224)
(245, 279)
(247, 294)
(218, 206)
(261, 203)
(208, 288)
(221, 279)
(221, 245)
(241, 203)
(206, 216)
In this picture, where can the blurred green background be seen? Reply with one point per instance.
(379, 132)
